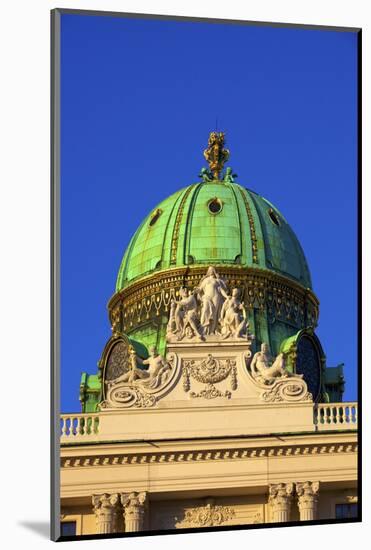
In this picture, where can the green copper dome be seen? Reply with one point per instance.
(214, 223)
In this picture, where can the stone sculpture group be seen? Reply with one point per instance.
(208, 313)
(208, 310)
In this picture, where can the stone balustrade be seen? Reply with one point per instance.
(107, 426)
(336, 416)
(79, 426)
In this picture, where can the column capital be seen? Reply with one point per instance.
(307, 492)
(107, 511)
(134, 505)
(105, 501)
(307, 488)
(280, 497)
(133, 499)
(281, 493)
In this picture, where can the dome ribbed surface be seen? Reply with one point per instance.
(214, 224)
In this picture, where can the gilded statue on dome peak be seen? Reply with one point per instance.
(215, 153)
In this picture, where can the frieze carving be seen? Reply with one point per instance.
(209, 515)
(210, 371)
(270, 375)
(136, 385)
(208, 313)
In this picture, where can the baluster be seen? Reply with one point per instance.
(63, 426)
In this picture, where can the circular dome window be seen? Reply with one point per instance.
(155, 217)
(215, 206)
(274, 217)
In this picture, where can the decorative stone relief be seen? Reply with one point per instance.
(137, 386)
(270, 375)
(118, 361)
(208, 313)
(280, 498)
(206, 516)
(210, 371)
(107, 512)
(307, 499)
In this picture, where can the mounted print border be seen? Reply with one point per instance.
(216, 403)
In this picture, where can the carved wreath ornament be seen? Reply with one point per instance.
(210, 371)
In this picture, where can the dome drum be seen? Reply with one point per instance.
(277, 307)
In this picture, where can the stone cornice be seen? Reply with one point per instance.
(85, 460)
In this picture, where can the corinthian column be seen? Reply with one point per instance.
(107, 512)
(280, 497)
(134, 510)
(307, 499)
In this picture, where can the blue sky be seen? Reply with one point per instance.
(138, 99)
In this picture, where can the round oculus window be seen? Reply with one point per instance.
(215, 206)
(274, 217)
(155, 217)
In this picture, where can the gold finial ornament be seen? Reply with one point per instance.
(215, 154)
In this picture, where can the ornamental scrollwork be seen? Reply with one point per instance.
(206, 516)
(270, 375)
(141, 382)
